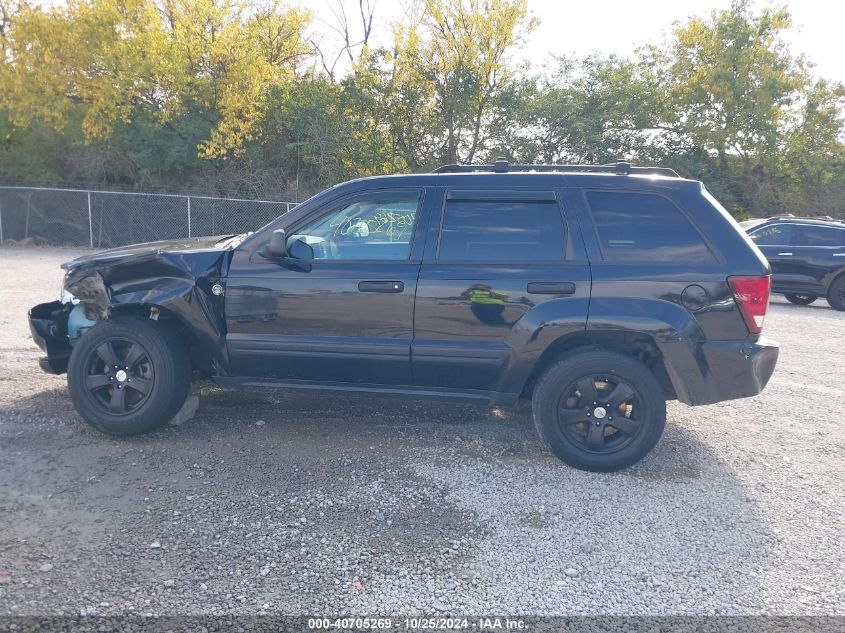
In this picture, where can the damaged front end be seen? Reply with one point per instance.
(48, 324)
(169, 281)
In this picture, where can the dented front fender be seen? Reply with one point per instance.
(174, 277)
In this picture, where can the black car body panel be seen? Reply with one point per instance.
(438, 322)
(806, 254)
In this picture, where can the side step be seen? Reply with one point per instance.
(489, 398)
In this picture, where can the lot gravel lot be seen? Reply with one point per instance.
(288, 503)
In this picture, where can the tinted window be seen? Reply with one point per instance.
(817, 235)
(363, 229)
(500, 230)
(644, 227)
(773, 235)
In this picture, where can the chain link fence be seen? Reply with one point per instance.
(104, 219)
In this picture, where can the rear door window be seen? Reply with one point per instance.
(502, 230)
(644, 227)
(817, 235)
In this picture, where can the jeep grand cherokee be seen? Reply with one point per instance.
(600, 292)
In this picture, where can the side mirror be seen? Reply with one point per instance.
(277, 247)
(299, 249)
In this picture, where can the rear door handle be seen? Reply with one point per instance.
(380, 286)
(551, 288)
(784, 254)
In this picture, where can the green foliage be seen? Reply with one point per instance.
(226, 96)
(591, 110)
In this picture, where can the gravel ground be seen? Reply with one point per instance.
(268, 502)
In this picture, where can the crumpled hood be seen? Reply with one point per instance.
(176, 276)
(143, 251)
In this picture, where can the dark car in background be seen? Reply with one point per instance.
(807, 256)
(598, 292)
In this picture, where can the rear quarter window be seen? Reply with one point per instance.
(644, 227)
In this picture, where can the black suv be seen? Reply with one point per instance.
(807, 257)
(600, 292)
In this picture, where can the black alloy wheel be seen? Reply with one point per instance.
(129, 375)
(598, 409)
(599, 414)
(119, 376)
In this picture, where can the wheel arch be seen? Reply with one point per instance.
(638, 345)
(835, 275)
(180, 288)
(202, 359)
(178, 303)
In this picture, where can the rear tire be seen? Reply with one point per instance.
(799, 299)
(128, 375)
(836, 293)
(599, 410)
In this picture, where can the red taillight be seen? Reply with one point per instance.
(752, 297)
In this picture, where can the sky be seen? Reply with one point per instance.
(621, 26)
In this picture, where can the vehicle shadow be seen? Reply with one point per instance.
(462, 505)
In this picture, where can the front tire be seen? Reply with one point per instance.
(128, 375)
(836, 293)
(800, 300)
(599, 410)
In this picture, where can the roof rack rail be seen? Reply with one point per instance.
(502, 166)
(792, 216)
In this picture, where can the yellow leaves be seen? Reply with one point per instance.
(83, 58)
(105, 59)
(260, 54)
(102, 63)
(42, 55)
(446, 66)
(731, 80)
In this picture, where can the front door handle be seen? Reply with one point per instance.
(784, 254)
(551, 288)
(381, 286)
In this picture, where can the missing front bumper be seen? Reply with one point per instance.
(48, 325)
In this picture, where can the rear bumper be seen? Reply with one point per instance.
(48, 325)
(714, 371)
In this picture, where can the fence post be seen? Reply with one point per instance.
(90, 223)
(28, 211)
(189, 216)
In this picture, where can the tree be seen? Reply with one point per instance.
(447, 70)
(731, 80)
(813, 158)
(112, 60)
(239, 98)
(729, 86)
(589, 110)
(228, 60)
(355, 49)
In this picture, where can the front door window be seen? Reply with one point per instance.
(365, 229)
